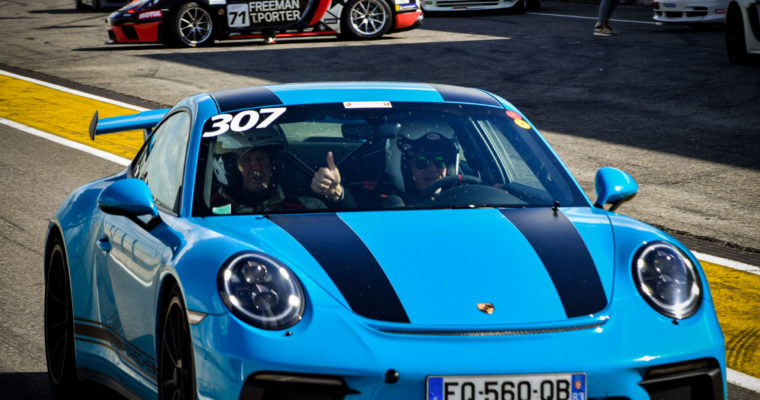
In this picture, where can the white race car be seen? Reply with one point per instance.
(743, 31)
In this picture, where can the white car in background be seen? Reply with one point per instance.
(690, 11)
(478, 5)
(97, 5)
(743, 31)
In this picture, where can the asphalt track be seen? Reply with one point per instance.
(700, 220)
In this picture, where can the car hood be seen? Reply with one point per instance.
(449, 268)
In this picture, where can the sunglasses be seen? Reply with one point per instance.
(422, 161)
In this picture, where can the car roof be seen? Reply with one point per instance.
(336, 92)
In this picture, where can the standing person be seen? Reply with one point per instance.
(603, 28)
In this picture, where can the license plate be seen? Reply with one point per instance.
(569, 386)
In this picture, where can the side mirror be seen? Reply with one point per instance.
(613, 186)
(130, 198)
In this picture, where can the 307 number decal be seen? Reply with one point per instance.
(242, 121)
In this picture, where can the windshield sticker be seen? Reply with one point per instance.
(367, 104)
(513, 115)
(241, 121)
(522, 124)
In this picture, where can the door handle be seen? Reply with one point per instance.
(104, 243)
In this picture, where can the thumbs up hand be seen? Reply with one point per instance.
(326, 180)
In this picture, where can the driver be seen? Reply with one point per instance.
(423, 153)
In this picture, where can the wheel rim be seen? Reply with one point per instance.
(176, 375)
(58, 329)
(195, 25)
(368, 17)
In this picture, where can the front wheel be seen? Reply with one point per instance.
(191, 26)
(59, 325)
(176, 371)
(735, 44)
(366, 19)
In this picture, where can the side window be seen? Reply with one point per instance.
(161, 162)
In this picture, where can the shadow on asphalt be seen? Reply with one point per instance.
(663, 88)
(35, 385)
(577, 96)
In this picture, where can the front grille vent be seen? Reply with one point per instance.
(504, 332)
(282, 386)
(700, 379)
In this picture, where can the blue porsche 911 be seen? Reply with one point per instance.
(366, 240)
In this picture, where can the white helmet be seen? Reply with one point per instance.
(229, 147)
(420, 136)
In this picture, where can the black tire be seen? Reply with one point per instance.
(191, 26)
(533, 4)
(79, 6)
(59, 325)
(736, 46)
(366, 19)
(96, 5)
(176, 369)
(521, 7)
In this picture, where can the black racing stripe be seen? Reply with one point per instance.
(105, 336)
(248, 97)
(348, 262)
(565, 257)
(460, 94)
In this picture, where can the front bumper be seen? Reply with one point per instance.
(409, 20)
(624, 356)
(143, 27)
(689, 12)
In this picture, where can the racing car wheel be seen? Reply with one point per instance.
(366, 19)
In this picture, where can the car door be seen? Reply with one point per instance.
(137, 249)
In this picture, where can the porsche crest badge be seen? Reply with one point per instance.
(486, 308)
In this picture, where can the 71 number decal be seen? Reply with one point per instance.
(242, 121)
(237, 16)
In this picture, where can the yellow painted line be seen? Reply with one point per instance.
(64, 114)
(736, 293)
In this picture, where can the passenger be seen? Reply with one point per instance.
(327, 182)
(258, 189)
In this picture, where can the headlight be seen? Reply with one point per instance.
(667, 280)
(261, 291)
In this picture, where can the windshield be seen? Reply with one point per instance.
(375, 156)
